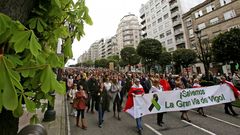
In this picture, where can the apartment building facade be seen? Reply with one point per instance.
(128, 32)
(211, 18)
(161, 20)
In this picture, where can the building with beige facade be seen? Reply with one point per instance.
(128, 32)
(161, 20)
(210, 17)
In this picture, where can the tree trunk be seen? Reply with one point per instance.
(9, 124)
(17, 10)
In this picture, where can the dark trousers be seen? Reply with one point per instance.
(159, 118)
(91, 102)
(80, 111)
(229, 106)
(100, 114)
(116, 103)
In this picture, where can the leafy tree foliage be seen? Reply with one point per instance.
(165, 59)
(129, 56)
(115, 59)
(150, 51)
(28, 52)
(225, 46)
(102, 63)
(184, 57)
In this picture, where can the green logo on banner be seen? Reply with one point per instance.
(154, 103)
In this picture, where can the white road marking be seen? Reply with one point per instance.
(151, 128)
(68, 122)
(226, 122)
(205, 130)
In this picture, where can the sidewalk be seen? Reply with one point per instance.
(56, 127)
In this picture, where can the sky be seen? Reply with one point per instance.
(106, 15)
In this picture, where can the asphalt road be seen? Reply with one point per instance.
(217, 123)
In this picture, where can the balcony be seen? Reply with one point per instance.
(179, 31)
(142, 16)
(175, 14)
(143, 22)
(173, 6)
(176, 23)
(143, 28)
(180, 41)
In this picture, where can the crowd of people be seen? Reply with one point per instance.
(101, 90)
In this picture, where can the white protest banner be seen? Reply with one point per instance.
(179, 100)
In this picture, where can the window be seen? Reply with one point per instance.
(230, 14)
(169, 41)
(201, 26)
(165, 16)
(210, 8)
(189, 22)
(198, 14)
(159, 12)
(163, 1)
(191, 33)
(164, 8)
(224, 2)
(214, 21)
(169, 32)
(157, 5)
(162, 35)
(159, 20)
(160, 27)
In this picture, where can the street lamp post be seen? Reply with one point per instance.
(203, 54)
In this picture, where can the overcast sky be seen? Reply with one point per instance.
(106, 15)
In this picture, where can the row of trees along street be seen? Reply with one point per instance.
(224, 48)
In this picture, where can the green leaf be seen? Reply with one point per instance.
(5, 36)
(53, 60)
(86, 17)
(29, 94)
(5, 23)
(49, 81)
(34, 119)
(29, 104)
(32, 23)
(20, 40)
(19, 110)
(15, 60)
(34, 46)
(57, 2)
(60, 87)
(39, 26)
(1, 102)
(68, 48)
(7, 85)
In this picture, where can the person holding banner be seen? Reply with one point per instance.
(236, 94)
(180, 86)
(154, 89)
(197, 85)
(136, 89)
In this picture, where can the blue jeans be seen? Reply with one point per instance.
(139, 123)
(100, 114)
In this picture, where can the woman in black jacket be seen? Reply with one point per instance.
(101, 104)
